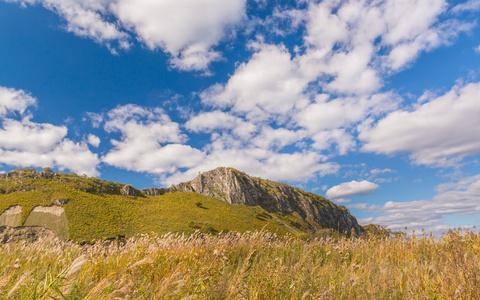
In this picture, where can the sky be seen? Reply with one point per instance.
(372, 104)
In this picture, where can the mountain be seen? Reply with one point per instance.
(236, 187)
(80, 208)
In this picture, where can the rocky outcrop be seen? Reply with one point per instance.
(25, 234)
(236, 187)
(129, 190)
(154, 191)
(27, 173)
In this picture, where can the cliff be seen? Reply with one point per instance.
(236, 187)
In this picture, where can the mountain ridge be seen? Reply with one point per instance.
(236, 187)
(217, 200)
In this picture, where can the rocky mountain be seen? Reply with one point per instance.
(84, 209)
(236, 187)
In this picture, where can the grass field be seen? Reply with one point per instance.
(246, 266)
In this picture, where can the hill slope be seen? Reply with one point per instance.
(236, 187)
(86, 209)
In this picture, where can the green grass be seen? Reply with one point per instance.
(96, 210)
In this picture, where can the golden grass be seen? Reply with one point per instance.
(256, 265)
(93, 215)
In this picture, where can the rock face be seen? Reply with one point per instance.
(236, 187)
(154, 191)
(129, 190)
(24, 234)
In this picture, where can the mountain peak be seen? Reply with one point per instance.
(236, 187)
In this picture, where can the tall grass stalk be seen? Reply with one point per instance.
(252, 265)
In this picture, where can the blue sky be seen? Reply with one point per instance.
(374, 104)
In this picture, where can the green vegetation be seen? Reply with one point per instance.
(256, 265)
(96, 210)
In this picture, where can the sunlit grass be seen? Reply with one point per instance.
(96, 210)
(256, 265)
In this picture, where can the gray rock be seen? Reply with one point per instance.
(25, 234)
(61, 201)
(154, 191)
(129, 190)
(236, 187)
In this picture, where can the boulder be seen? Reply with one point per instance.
(129, 190)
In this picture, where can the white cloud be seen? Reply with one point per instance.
(93, 140)
(380, 171)
(186, 29)
(12, 100)
(439, 132)
(218, 120)
(60, 156)
(347, 48)
(150, 142)
(29, 136)
(269, 138)
(470, 5)
(461, 199)
(25, 143)
(86, 18)
(85, 161)
(268, 85)
(352, 188)
(29, 144)
(293, 167)
(351, 44)
(326, 120)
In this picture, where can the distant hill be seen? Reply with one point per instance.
(87, 209)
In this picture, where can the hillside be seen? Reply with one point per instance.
(236, 187)
(86, 209)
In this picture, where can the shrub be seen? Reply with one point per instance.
(210, 230)
(191, 224)
(198, 204)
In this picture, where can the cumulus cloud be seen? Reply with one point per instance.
(293, 167)
(26, 143)
(150, 141)
(12, 100)
(93, 140)
(186, 29)
(176, 27)
(470, 5)
(439, 132)
(350, 44)
(267, 86)
(87, 18)
(460, 199)
(326, 120)
(352, 188)
(217, 120)
(29, 136)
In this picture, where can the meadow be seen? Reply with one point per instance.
(251, 265)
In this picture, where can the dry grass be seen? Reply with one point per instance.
(256, 265)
